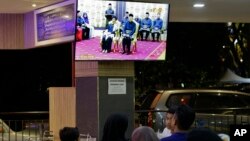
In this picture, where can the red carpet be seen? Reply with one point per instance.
(146, 50)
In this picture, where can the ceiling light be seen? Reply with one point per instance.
(199, 5)
(33, 5)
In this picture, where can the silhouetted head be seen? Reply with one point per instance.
(115, 128)
(69, 134)
(183, 118)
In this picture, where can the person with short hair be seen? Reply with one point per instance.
(69, 134)
(128, 32)
(146, 24)
(109, 13)
(157, 27)
(144, 133)
(125, 19)
(167, 130)
(181, 122)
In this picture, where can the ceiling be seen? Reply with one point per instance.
(180, 10)
(23, 6)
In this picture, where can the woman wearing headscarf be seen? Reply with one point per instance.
(88, 28)
(144, 133)
(115, 128)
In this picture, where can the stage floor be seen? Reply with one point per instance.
(146, 50)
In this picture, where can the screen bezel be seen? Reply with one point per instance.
(138, 1)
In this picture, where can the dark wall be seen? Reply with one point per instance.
(26, 74)
(86, 105)
(109, 104)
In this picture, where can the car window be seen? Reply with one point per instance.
(220, 100)
(147, 101)
(178, 99)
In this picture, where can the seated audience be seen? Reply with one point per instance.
(144, 133)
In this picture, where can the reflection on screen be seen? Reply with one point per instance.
(121, 30)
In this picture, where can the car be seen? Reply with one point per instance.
(215, 108)
(32, 132)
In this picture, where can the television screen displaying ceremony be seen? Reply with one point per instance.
(121, 30)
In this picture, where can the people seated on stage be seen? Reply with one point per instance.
(109, 13)
(87, 27)
(116, 32)
(146, 24)
(83, 25)
(109, 34)
(128, 32)
(80, 20)
(79, 23)
(125, 19)
(157, 27)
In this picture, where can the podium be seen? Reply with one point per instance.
(62, 109)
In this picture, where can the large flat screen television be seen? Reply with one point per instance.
(121, 30)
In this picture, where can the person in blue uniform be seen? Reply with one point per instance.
(125, 19)
(138, 20)
(128, 32)
(156, 28)
(146, 24)
(80, 20)
(109, 13)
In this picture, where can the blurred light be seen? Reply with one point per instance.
(34, 5)
(219, 94)
(236, 41)
(182, 85)
(223, 46)
(182, 100)
(241, 60)
(66, 16)
(199, 5)
(229, 23)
